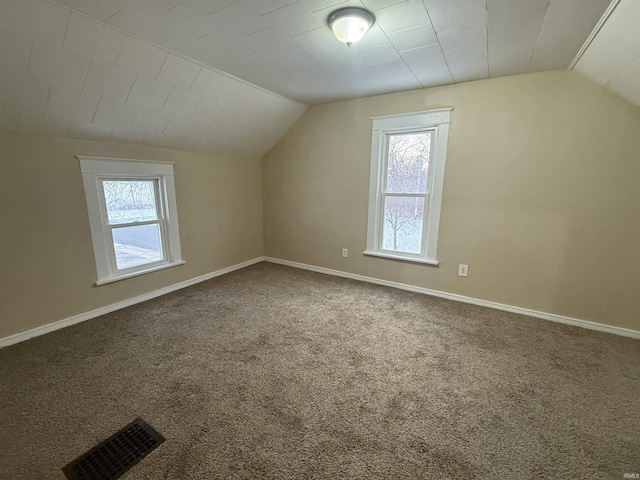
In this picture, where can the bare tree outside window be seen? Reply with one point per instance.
(406, 176)
(129, 200)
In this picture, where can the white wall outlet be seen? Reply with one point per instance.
(463, 270)
(345, 252)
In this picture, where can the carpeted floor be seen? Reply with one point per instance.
(277, 373)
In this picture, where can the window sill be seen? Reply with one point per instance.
(139, 272)
(401, 258)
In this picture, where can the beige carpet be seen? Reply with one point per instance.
(277, 373)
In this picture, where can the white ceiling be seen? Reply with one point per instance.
(167, 72)
(285, 45)
(613, 56)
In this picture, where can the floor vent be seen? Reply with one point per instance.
(116, 455)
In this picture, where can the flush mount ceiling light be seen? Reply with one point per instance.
(350, 24)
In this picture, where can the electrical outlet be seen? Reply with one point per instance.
(463, 270)
(345, 252)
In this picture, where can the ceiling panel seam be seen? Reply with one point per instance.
(535, 45)
(486, 28)
(439, 44)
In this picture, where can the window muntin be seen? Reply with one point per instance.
(133, 216)
(408, 154)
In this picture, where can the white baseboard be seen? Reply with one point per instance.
(625, 332)
(51, 327)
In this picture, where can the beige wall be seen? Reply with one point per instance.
(48, 269)
(541, 194)
(541, 200)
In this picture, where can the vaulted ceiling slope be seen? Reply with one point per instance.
(286, 47)
(612, 59)
(66, 74)
(200, 74)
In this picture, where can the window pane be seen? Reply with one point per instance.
(130, 200)
(408, 162)
(137, 245)
(403, 224)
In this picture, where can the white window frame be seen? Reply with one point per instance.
(436, 122)
(97, 169)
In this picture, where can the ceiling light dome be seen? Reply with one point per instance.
(350, 24)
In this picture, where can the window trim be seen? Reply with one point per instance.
(96, 169)
(436, 121)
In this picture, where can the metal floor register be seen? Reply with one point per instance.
(112, 458)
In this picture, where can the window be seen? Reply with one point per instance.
(408, 154)
(133, 216)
